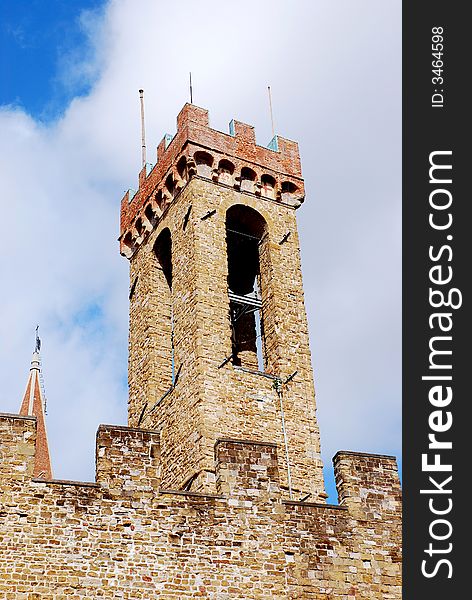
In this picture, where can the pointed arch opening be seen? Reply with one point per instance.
(165, 327)
(245, 230)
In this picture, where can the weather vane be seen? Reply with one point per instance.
(38, 341)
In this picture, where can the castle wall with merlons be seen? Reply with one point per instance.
(126, 536)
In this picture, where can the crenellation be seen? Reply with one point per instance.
(81, 541)
(127, 459)
(17, 446)
(368, 484)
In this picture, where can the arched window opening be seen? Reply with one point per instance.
(225, 172)
(248, 174)
(204, 162)
(245, 229)
(163, 252)
(268, 186)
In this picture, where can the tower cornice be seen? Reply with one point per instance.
(233, 159)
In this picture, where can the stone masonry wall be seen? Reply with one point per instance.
(184, 384)
(126, 537)
(210, 401)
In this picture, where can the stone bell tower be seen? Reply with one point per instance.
(218, 343)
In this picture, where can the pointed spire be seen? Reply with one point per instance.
(33, 406)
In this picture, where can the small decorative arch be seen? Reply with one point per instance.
(160, 200)
(182, 168)
(288, 187)
(225, 171)
(150, 214)
(267, 186)
(225, 166)
(128, 239)
(288, 190)
(170, 185)
(128, 244)
(139, 226)
(204, 162)
(248, 178)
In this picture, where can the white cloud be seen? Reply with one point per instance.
(334, 69)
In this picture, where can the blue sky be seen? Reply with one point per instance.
(70, 147)
(35, 37)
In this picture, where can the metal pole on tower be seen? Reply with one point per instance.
(143, 134)
(270, 109)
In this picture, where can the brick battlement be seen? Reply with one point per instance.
(233, 160)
